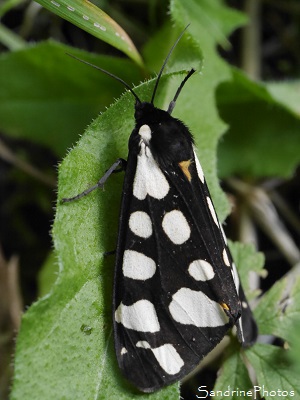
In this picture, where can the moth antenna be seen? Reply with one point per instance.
(173, 102)
(109, 74)
(165, 62)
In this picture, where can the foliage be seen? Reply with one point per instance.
(65, 345)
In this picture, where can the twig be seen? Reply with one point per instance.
(251, 49)
(7, 155)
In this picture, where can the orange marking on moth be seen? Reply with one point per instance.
(184, 165)
(225, 306)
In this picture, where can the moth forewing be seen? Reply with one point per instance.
(175, 287)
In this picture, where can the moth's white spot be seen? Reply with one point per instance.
(201, 270)
(55, 4)
(138, 266)
(166, 355)
(225, 258)
(149, 179)
(176, 227)
(143, 344)
(122, 37)
(190, 307)
(241, 330)
(235, 276)
(140, 224)
(70, 8)
(223, 234)
(236, 281)
(199, 168)
(145, 133)
(212, 211)
(117, 34)
(140, 316)
(123, 351)
(85, 17)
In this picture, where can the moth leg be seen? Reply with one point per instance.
(118, 166)
(123, 165)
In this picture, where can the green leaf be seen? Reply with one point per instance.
(48, 275)
(212, 20)
(263, 132)
(185, 56)
(247, 260)
(275, 373)
(279, 310)
(233, 375)
(50, 98)
(286, 93)
(93, 20)
(295, 346)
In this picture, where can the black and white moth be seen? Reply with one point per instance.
(176, 288)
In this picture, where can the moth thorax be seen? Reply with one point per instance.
(145, 133)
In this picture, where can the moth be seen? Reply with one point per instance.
(176, 288)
